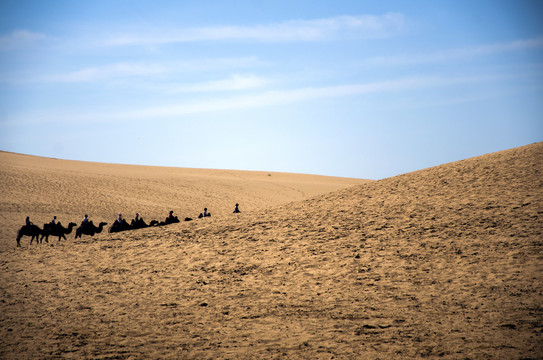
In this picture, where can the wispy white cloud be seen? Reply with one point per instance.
(455, 54)
(144, 69)
(19, 38)
(235, 82)
(252, 100)
(281, 97)
(365, 26)
(101, 73)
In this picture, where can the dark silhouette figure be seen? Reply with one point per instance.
(29, 230)
(171, 219)
(56, 230)
(119, 226)
(204, 214)
(84, 223)
(236, 209)
(138, 223)
(89, 229)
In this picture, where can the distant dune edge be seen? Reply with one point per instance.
(41, 188)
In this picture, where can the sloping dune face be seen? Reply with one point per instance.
(440, 263)
(43, 187)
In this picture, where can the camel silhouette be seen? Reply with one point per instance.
(117, 227)
(139, 224)
(89, 229)
(56, 230)
(171, 220)
(29, 230)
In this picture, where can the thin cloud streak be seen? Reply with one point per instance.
(144, 69)
(19, 38)
(100, 73)
(249, 101)
(236, 82)
(246, 101)
(283, 97)
(456, 54)
(363, 26)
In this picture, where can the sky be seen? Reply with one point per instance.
(364, 89)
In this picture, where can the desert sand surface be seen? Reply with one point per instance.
(41, 188)
(444, 262)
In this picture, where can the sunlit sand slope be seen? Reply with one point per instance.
(43, 187)
(441, 263)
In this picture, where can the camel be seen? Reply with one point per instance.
(56, 230)
(89, 229)
(117, 227)
(29, 230)
(134, 224)
(138, 224)
(171, 220)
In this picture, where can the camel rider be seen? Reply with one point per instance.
(120, 219)
(53, 225)
(28, 222)
(137, 217)
(85, 221)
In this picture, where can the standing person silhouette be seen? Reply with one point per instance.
(236, 209)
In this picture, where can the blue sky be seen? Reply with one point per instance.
(366, 89)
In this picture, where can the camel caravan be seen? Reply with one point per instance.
(87, 227)
(138, 223)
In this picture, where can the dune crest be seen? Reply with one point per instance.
(44, 187)
(440, 263)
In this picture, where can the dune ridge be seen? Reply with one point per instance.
(444, 262)
(44, 187)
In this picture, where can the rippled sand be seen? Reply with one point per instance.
(444, 262)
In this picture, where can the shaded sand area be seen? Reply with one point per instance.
(442, 263)
(43, 187)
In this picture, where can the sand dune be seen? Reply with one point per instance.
(43, 187)
(440, 263)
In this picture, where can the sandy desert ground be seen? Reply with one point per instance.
(443, 263)
(43, 187)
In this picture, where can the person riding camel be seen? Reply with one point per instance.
(204, 214)
(54, 224)
(85, 222)
(171, 218)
